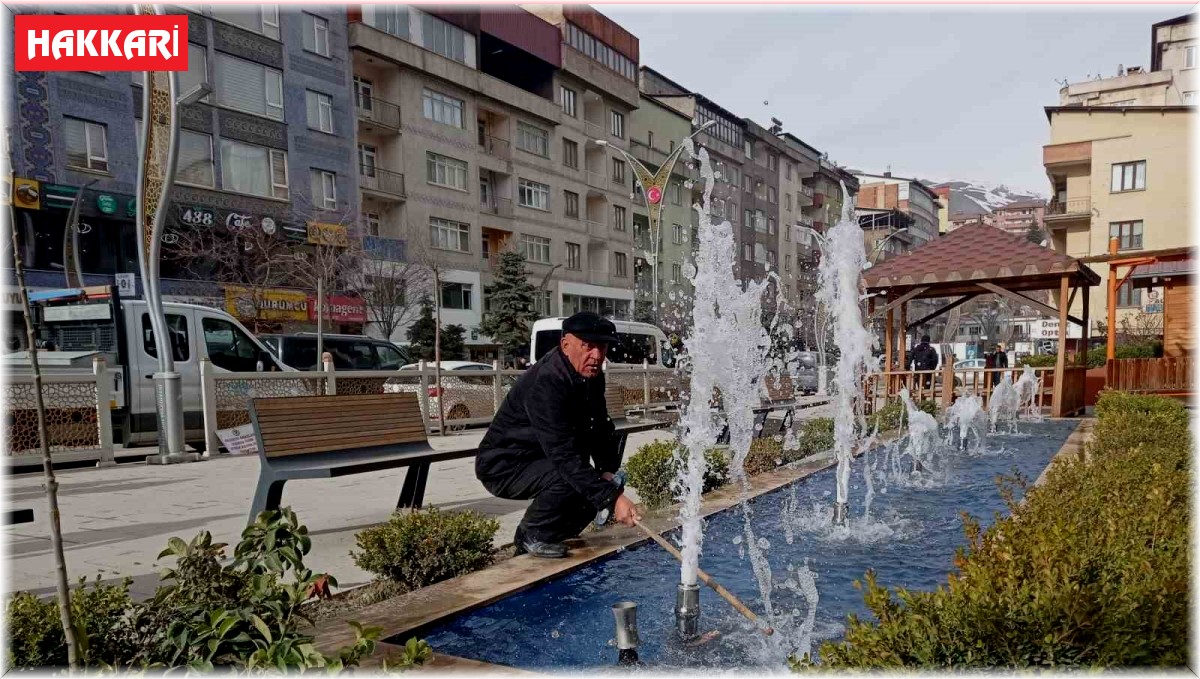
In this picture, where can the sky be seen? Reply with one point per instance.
(935, 94)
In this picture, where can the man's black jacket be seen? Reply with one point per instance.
(553, 412)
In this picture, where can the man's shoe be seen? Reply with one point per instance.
(544, 550)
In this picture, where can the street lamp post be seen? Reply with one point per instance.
(653, 184)
(158, 156)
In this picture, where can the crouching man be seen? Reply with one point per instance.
(550, 429)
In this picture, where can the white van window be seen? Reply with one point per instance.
(544, 342)
(178, 331)
(228, 346)
(633, 349)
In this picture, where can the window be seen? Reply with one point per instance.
(87, 144)
(789, 171)
(787, 201)
(228, 347)
(324, 189)
(725, 130)
(1189, 98)
(771, 225)
(316, 34)
(1129, 176)
(731, 211)
(748, 149)
(320, 111)
(195, 159)
(1189, 56)
(760, 253)
(787, 234)
(595, 49)
(1128, 234)
(177, 330)
(442, 108)
(677, 234)
(570, 154)
(748, 217)
(772, 161)
(367, 154)
(391, 19)
(747, 252)
(262, 19)
(364, 94)
(255, 170)
(448, 235)
(250, 87)
(735, 176)
(456, 296)
(1129, 296)
(197, 72)
(535, 248)
(533, 139)
(676, 189)
(771, 197)
(533, 194)
(371, 223)
(748, 183)
(787, 262)
(619, 260)
(619, 218)
(567, 100)
(445, 171)
(574, 259)
(618, 171)
(618, 124)
(542, 303)
(760, 221)
(445, 38)
(676, 273)
(571, 203)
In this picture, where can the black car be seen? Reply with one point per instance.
(350, 352)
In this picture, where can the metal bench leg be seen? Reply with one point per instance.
(413, 492)
(266, 496)
(787, 419)
(760, 424)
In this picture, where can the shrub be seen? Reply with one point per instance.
(1092, 571)
(815, 436)
(764, 455)
(415, 549)
(1128, 420)
(35, 631)
(654, 468)
(1038, 360)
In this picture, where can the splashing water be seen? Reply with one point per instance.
(1028, 387)
(728, 347)
(1004, 405)
(922, 436)
(968, 417)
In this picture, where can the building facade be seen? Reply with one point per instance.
(1019, 216)
(910, 196)
(958, 220)
(1123, 173)
(1170, 80)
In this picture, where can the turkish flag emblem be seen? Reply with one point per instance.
(654, 195)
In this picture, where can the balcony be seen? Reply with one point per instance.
(387, 249)
(376, 115)
(598, 230)
(500, 207)
(495, 146)
(818, 199)
(1069, 209)
(804, 197)
(1067, 154)
(382, 183)
(598, 278)
(597, 180)
(594, 130)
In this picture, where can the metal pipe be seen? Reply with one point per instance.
(841, 510)
(687, 611)
(625, 613)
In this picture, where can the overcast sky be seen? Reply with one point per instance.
(937, 94)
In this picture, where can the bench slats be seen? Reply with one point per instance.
(320, 424)
(614, 400)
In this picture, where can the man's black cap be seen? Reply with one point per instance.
(590, 326)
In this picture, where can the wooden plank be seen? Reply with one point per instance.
(339, 406)
(1060, 362)
(383, 438)
(341, 444)
(343, 410)
(301, 402)
(1044, 308)
(277, 422)
(346, 429)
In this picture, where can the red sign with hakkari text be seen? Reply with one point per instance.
(100, 42)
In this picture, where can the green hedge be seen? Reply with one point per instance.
(1092, 571)
(894, 414)
(654, 467)
(1098, 356)
(815, 436)
(416, 549)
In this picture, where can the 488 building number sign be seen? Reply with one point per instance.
(197, 217)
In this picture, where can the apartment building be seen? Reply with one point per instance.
(910, 196)
(655, 131)
(478, 133)
(1123, 173)
(1169, 81)
(799, 163)
(1018, 216)
(270, 147)
(958, 220)
(943, 194)
(759, 235)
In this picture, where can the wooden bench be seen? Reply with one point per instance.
(614, 403)
(319, 437)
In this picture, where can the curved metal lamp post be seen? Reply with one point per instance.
(653, 184)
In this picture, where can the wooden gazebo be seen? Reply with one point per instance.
(977, 260)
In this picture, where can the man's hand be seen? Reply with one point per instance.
(607, 476)
(625, 512)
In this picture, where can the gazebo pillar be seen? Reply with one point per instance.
(1087, 328)
(888, 341)
(1060, 364)
(902, 339)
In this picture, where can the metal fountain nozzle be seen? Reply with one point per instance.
(687, 611)
(841, 510)
(625, 613)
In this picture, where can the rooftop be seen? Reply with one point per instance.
(1078, 108)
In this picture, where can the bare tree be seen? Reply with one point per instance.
(1139, 327)
(391, 290)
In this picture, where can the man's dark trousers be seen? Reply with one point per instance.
(558, 512)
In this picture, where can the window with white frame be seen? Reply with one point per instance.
(676, 193)
(197, 71)
(787, 262)
(574, 256)
(617, 126)
(542, 303)
(533, 139)
(250, 87)
(789, 170)
(1129, 176)
(771, 225)
(619, 217)
(445, 234)
(760, 253)
(445, 171)
(320, 111)
(533, 194)
(787, 201)
(364, 94)
(771, 196)
(620, 262)
(324, 189)
(391, 19)
(87, 144)
(254, 170)
(263, 19)
(748, 149)
(747, 252)
(772, 161)
(316, 34)
(367, 157)
(535, 248)
(195, 159)
(444, 38)
(570, 153)
(371, 223)
(677, 234)
(566, 97)
(1128, 234)
(1189, 98)
(456, 295)
(442, 108)
(676, 273)
(1189, 56)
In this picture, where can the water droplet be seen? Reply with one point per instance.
(555, 634)
(741, 552)
(827, 493)
(795, 612)
(737, 539)
(688, 184)
(789, 541)
(763, 543)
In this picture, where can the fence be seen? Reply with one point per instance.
(78, 419)
(1167, 376)
(926, 385)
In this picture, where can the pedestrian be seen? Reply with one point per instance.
(550, 428)
(999, 360)
(923, 357)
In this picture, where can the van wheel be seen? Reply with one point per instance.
(459, 412)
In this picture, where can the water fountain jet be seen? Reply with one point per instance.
(625, 613)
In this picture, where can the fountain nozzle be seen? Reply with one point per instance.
(841, 510)
(625, 613)
(687, 611)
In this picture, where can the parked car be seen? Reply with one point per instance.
(465, 396)
(350, 352)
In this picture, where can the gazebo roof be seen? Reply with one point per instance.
(958, 261)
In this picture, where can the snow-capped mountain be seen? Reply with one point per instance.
(979, 197)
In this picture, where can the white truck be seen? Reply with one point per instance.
(76, 324)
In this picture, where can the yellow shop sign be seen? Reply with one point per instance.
(271, 304)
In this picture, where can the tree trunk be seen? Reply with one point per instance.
(437, 351)
(320, 314)
(60, 562)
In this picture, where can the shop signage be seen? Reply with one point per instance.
(340, 309)
(271, 304)
(131, 208)
(238, 222)
(26, 194)
(195, 216)
(320, 233)
(268, 226)
(106, 204)
(1047, 329)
